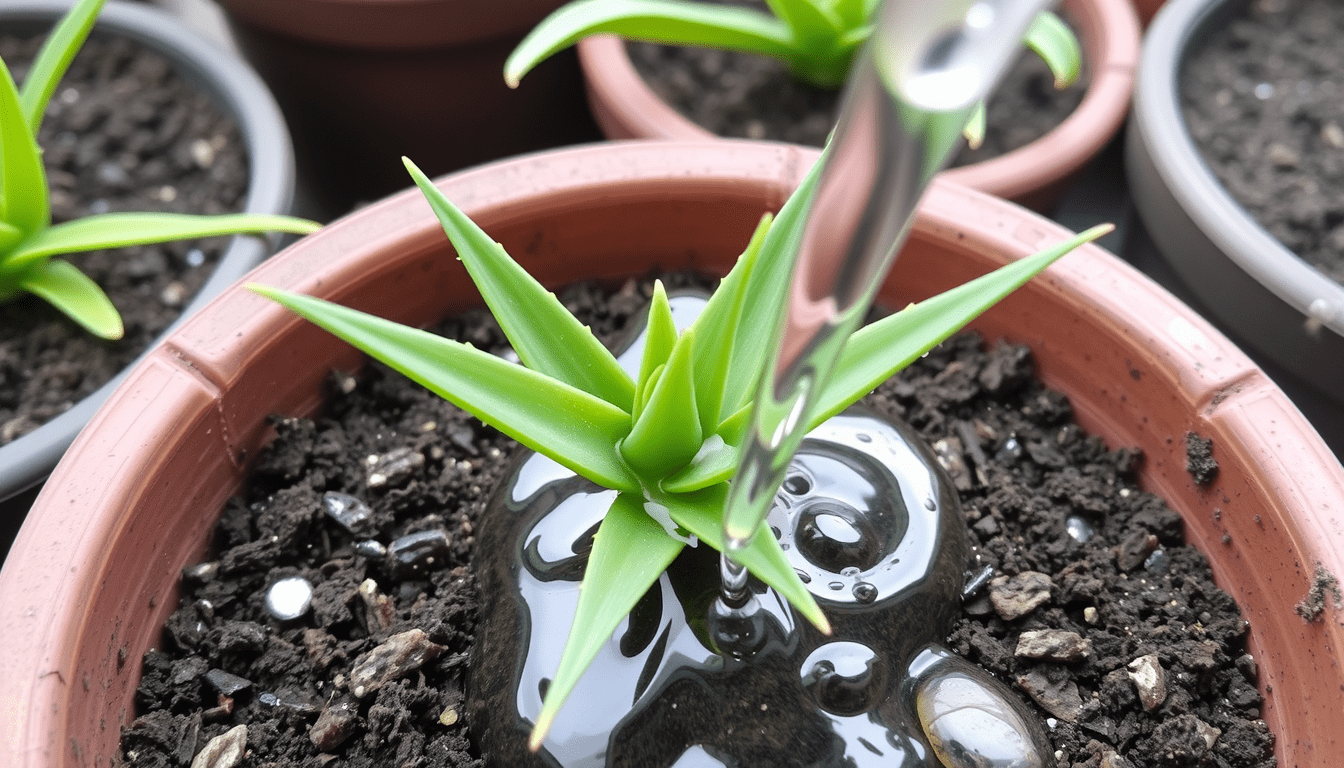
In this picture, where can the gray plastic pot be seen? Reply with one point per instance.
(28, 460)
(1248, 281)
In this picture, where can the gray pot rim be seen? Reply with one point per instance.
(27, 461)
(1161, 134)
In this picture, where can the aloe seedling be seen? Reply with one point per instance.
(666, 441)
(818, 39)
(29, 241)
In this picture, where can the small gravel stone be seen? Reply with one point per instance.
(1149, 680)
(1053, 645)
(1134, 549)
(224, 751)
(227, 684)
(338, 722)
(1016, 596)
(377, 606)
(1053, 688)
(398, 656)
(417, 552)
(289, 598)
(392, 467)
(351, 513)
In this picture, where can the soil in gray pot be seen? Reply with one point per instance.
(746, 96)
(1264, 101)
(122, 133)
(1092, 585)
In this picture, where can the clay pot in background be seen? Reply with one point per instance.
(1035, 175)
(238, 91)
(1264, 295)
(137, 497)
(364, 82)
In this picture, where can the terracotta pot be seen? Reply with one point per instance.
(238, 92)
(363, 82)
(1262, 293)
(136, 498)
(1035, 175)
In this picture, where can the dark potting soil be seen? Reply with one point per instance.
(122, 133)
(1264, 101)
(747, 96)
(1093, 589)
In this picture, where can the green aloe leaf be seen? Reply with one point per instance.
(115, 230)
(852, 13)
(975, 126)
(667, 435)
(702, 514)
(717, 326)
(662, 21)
(75, 294)
(547, 338)
(54, 58)
(715, 463)
(879, 350)
(766, 291)
(815, 25)
(660, 337)
(572, 427)
(1054, 42)
(630, 552)
(23, 181)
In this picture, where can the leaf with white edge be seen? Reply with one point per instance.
(714, 463)
(702, 514)
(667, 435)
(115, 230)
(54, 58)
(879, 350)
(716, 327)
(660, 21)
(572, 427)
(660, 336)
(630, 551)
(547, 338)
(1054, 42)
(765, 293)
(23, 181)
(63, 286)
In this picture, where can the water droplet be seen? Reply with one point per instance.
(865, 592)
(1009, 452)
(1079, 528)
(863, 437)
(846, 678)
(834, 536)
(195, 257)
(1264, 91)
(850, 572)
(289, 598)
(775, 530)
(803, 576)
(836, 585)
(930, 504)
(797, 485)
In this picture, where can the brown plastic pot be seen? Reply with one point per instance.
(95, 570)
(1035, 175)
(363, 82)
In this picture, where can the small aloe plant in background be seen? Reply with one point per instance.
(29, 241)
(667, 440)
(818, 39)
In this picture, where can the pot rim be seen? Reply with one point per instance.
(1033, 175)
(1162, 135)
(238, 90)
(1178, 359)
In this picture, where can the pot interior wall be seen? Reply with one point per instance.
(200, 402)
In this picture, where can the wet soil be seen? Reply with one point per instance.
(746, 96)
(1264, 102)
(122, 133)
(1133, 657)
